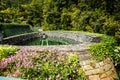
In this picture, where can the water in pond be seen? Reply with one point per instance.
(50, 40)
(45, 42)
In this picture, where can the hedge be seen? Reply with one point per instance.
(10, 29)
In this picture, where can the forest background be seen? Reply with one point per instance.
(99, 16)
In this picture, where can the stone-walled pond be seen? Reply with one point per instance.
(71, 60)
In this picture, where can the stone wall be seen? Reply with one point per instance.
(81, 37)
(78, 37)
(102, 70)
(19, 38)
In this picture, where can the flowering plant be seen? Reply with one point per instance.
(35, 64)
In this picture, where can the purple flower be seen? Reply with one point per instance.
(28, 64)
(18, 64)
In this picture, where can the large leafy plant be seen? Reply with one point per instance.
(6, 51)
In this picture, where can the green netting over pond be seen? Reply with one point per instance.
(49, 41)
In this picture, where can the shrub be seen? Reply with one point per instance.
(104, 49)
(6, 51)
(10, 29)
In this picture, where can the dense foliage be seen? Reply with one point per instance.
(36, 65)
(14, 29)
(100, 16)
